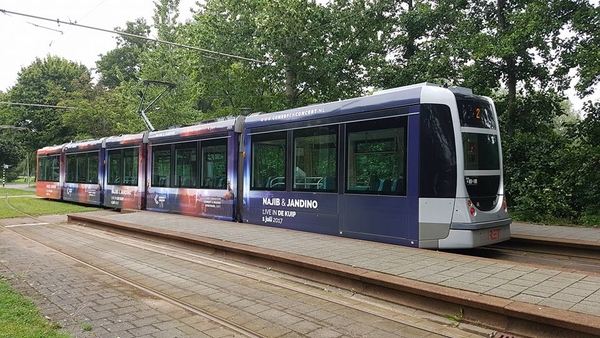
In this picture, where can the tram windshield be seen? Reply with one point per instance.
(481, 150)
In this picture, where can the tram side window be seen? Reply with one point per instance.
(186, 165)
(115, 166)
(130, 166)
(161, 166)
(315, 159)
(268, 161)
(377, 156)
(92, 168)
(49, 168)
(82, 168)
(437, 173)
(214, 164)
(41, 176)
(54, 168)
(71, 168)
(123, 166)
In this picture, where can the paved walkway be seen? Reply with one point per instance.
(588, 236)
(88, 303)
(560, 295)
(570, 298)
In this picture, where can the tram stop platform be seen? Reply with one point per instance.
(514, 298)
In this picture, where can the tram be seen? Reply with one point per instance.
(419, 166)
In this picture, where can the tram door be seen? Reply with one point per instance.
(375, 204)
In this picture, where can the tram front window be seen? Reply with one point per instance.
(481, 151)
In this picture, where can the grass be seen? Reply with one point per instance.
(24, 180)
(38, 207)
(20, 318)
(15, 192)
(86, 327)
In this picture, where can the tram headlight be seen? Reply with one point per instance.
(504, 207)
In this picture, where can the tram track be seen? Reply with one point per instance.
(205, 314)
(546, 254)
(342, 298)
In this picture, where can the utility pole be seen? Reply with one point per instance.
(4, 167)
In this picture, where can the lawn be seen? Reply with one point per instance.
(33, 206)
(15, 192)
(20, 318)
(37, 207)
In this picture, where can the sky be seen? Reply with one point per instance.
(21, 42)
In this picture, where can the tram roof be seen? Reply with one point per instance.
(204, 128)
(394, 97)
(123, 140)
(83, 145)
(56, 149)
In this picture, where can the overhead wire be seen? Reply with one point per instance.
(35, 105)
(175, 44)
(83, 17)
(44, 27)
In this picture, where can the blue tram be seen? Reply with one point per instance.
(83, 172)
(419, 166)
(193, 170)
(123, 181)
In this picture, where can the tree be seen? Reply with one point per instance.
(122, 64)
(518, 44)
(167, 63)
(11, 153)
(583, 48)
(312, 53)
(46, 81)
(105, 112)
(424, 42)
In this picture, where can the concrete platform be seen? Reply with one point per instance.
(513, 297)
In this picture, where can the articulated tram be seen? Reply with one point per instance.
(419, 166)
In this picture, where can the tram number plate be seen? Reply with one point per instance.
(495, 234)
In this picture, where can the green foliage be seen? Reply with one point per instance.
(456, 319)
(551, 175)
(11, 154)
(312, 53)
(106, 113)
(426, 40)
